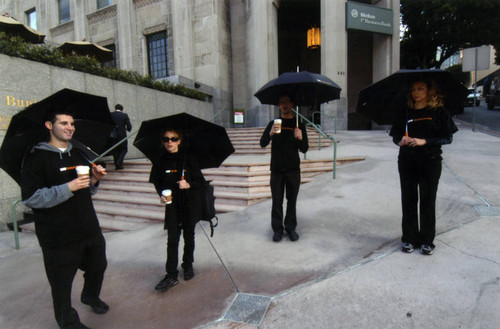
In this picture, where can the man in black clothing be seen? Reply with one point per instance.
(285, 167)
(122, 125)
(65, 220)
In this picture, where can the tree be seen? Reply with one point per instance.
(456, 71)
(447, 26)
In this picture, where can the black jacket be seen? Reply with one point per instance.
(61, 216)
(285, 148)
(122, 123)
(186, 206)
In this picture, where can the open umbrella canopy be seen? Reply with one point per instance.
(381, 100)
(93, 123)
(86, 48)
(304, 87)
(205, 140)
(10, 25)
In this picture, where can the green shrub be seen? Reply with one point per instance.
(16, 47)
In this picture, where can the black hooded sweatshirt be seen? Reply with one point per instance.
(61, 216)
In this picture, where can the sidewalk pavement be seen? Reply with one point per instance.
(346, 271)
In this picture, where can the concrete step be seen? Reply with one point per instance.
(128, 213)
(127, 200)
(115, 223)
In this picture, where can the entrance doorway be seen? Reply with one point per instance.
(295, 17)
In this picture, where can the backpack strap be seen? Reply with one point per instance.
(212, 225)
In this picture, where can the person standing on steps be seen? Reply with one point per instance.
(122, 125)
(288, 138)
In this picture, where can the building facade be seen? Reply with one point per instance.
(233, 47)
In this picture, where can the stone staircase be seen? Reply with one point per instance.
(127, 201)
(246, 140)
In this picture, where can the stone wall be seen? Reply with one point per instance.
(25, 82)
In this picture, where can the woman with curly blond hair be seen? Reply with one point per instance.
(419, 131)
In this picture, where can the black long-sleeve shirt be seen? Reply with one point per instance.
(435, 125)
(285, 147)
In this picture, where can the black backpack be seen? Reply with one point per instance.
(208, 214)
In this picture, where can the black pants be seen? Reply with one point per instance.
(174, 234)
(419, 178)
(282, 182)
(61, 265)
(119, 154)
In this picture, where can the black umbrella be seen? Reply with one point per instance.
(205, 140)
(304, 87)
(93, 123)
(381, 100)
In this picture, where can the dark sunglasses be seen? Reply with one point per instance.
(168, 139)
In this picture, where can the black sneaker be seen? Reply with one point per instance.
(277, 236)
(97, 305)
(166, 283)
(407, 247)
(188, 274)
(425, 249)
(292, 235)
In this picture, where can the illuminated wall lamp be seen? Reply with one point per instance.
(314, 38)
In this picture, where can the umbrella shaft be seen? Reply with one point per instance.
(115, 146)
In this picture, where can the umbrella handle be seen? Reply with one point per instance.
(94, 165)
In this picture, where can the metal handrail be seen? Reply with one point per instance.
(105, 153)
(216, 114)
(14, 222)
(321, 133)
(330, 116)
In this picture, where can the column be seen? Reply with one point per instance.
(262, 54)
(334, 61)
(182, 31)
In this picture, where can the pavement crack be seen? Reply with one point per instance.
(469, 254)
(467, 184)
(484, 287)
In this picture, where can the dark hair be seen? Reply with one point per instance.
(119, 107)
(178, 132)
(434, 97)
(58, 110)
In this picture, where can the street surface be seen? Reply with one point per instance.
(481, 118)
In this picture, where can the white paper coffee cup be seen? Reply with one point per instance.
(278, 122)
(168, 195)
(82, 170)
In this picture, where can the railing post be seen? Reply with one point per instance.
(321, 133)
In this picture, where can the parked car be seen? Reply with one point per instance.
(493, 99)
(469, 101)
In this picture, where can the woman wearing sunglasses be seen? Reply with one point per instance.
(175, 170)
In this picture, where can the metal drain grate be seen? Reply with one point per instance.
(247, 308)
(488, 210)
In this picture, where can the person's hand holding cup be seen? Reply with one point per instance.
(83, 179)
(166, 196)
(276, 127)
